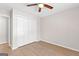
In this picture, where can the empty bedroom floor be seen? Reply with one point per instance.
(38, 49)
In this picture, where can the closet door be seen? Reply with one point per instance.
(3, 30)
(20, 30)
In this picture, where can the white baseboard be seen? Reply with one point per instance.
(47, 42)
(62, 45)
(3, 42)
(15, 47)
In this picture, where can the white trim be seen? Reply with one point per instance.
(62, 45)
(3, 42)
(5, 16)
(15, 47)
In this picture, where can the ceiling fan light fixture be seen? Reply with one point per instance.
(40, 5)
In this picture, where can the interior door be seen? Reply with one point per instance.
(3, 30)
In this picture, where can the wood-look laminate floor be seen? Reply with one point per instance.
(38, 49)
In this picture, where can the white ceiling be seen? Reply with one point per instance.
(34, 9)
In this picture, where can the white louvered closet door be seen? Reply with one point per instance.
(3, 30)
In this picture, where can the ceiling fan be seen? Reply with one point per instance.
(40, 6)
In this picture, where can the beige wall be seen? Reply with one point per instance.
(61, 28)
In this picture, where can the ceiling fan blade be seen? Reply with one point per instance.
(48, 6)
(39, 10)
(32, 4)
